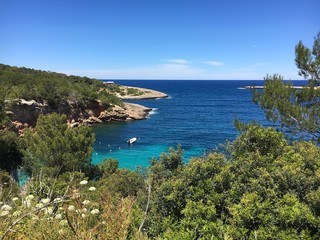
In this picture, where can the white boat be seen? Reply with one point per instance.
(132, 140)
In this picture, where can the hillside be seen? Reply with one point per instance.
(26, 93)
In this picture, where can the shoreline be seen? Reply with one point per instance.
(136, 111)
(25, 113)
(262, 87)
(147, 94)
(134, 93)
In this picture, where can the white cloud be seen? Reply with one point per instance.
(177, 70)
(214, 63)
(176, 61)
(168, 71)
(162, 71)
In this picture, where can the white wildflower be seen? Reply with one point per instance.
(48, 210)
(6, 207)
(86, 202)
(27, 203)
(58, 216)
(95, 211)
(84, 210)
(83, 215)
(15, 199)
(29, 197)
(39, 205)
(92, 189)
(57, 199)
(61, 208)
(83, 182)
(4, 213)
(45, 200)
(71, 208)
(61, 231)
(103, 222)
(63, 222)
(16, 213)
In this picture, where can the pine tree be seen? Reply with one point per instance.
(53, 148)
(296, 110)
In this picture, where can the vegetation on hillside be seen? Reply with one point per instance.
(52, 148)
(50, 87)
(261, 187)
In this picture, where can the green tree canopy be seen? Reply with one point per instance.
(308, 61)
(52, 88)
(53, 148)
(10, 155)
(297, 110)
(264, 188)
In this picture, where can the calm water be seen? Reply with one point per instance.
(199, 115)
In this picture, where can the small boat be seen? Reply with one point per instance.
(132, 140)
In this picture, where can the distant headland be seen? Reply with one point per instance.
(262, 87)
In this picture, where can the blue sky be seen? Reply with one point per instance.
(153, 39)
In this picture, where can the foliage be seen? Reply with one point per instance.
(10, 155)
(108, 167)
(81, 212)
(265, 188)
(296, 109)
(121, 182)
(8, 186)
(308, 61)
(125, 183)
(262, 188)
(2, 107)
(52, 88)
(53, 148)
(108, 99)
(134, 92)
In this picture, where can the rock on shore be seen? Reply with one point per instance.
(26, 113)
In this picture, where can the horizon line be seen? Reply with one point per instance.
(137, 79)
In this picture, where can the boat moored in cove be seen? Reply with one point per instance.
(132, 140)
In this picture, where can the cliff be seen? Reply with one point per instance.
(25, 113)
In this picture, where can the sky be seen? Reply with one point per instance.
(153, 39)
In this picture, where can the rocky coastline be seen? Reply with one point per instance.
(24, 113)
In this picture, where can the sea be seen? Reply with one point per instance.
(198, 114)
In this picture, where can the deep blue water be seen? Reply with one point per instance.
(199, 115)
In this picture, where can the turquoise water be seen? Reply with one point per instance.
(199, 115)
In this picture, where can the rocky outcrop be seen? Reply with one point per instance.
(137, 93)
(136, 111)
(25, 113)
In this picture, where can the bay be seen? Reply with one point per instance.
(199, 115)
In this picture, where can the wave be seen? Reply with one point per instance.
(161, 98)
(152, 112)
